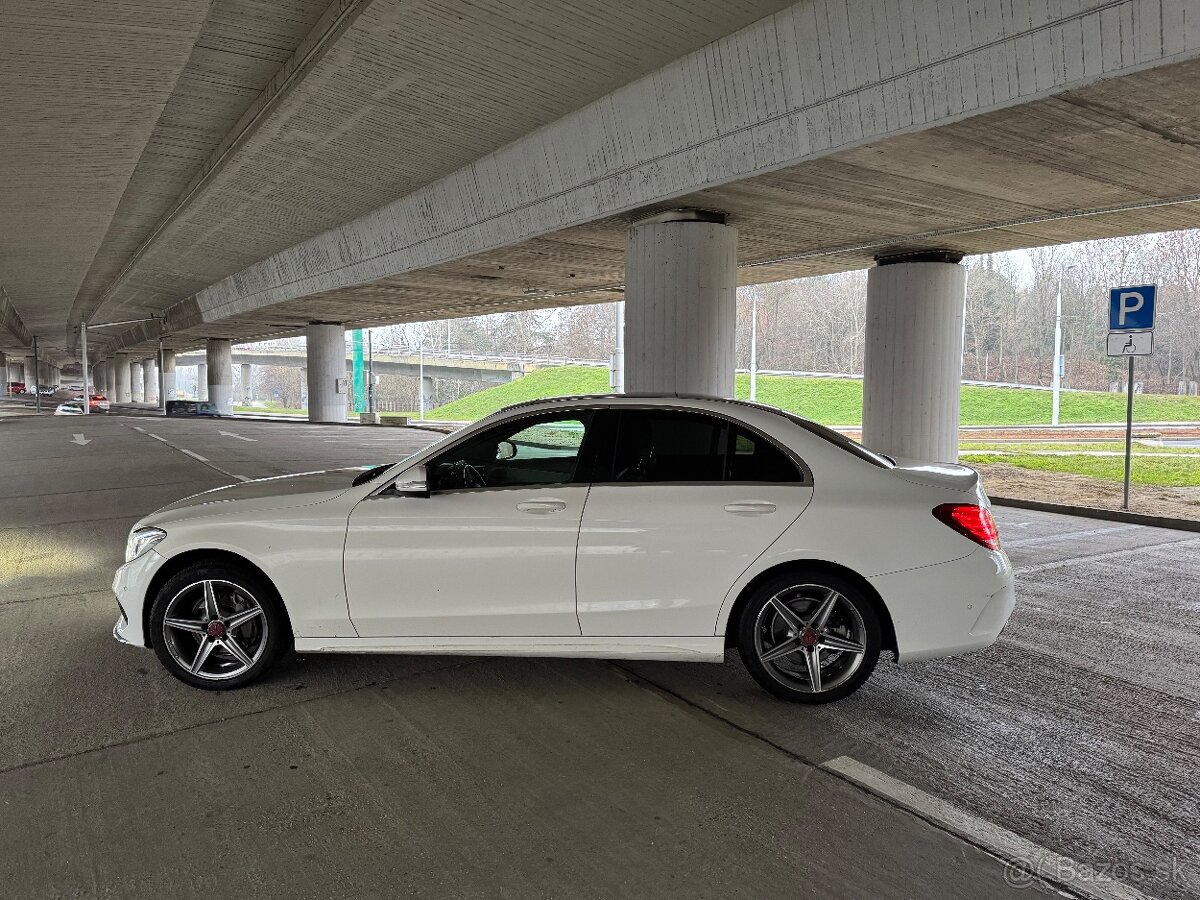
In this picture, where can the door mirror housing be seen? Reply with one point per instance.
(413, 483)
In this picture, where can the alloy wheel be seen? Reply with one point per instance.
(810, 638)
(215, 629)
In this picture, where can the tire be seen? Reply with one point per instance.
(779, 634)
(226, 650)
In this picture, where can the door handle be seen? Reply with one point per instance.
(541, 507)
(750, 508)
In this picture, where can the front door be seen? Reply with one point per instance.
(490, 552)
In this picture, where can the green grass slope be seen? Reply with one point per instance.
(838, 401)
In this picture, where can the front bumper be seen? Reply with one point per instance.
(950, 608)
(130, 585)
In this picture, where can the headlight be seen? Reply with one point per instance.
(141, 540)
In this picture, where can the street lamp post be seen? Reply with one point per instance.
(754, 345)
(1057, 371)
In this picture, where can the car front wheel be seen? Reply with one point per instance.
(217, 626)
(809, 638)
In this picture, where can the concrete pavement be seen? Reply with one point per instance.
(388, 776)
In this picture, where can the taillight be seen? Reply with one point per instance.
(971, 521)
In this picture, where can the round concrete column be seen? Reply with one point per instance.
(16, 370)
(98, 377)
(219, 355)
(124, 379)
(326, 366)
(680, 305)
(137, 384)
(247, 385)
(110, 379)
(149, 380)
(168, 376)
(913, 359)
(31, 376)
(201, 381)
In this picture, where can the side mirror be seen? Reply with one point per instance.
(506, 450)
(413, 483)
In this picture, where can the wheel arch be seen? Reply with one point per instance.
(181, 561)
(812, 566)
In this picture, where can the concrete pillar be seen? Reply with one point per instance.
(16, 370)
(201, 381)
(219, 354)
(109, 388)
(427, 392)
(137, 383)
(680, 305)
(247, 384)
(124, 379)
(31, 374)
(98, 376)
(168, 375)
(149, 380)
(326, 366)
(912, 369)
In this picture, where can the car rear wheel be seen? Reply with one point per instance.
(809, 638)
(218, 626)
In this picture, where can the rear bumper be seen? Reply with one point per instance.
(949, 608)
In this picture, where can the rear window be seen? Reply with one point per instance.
(840, 440)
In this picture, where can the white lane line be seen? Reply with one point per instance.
(1025, 860)
(193, 455)
(136, 428)
(1068, 535)
(155, 436)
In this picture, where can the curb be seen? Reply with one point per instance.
(1091, 512)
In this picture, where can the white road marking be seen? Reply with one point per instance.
(193, 455)
(81, 440)
(243, 477)
(1067, 536)
(136, 428)
(155, 436)
(1025, 859)
(238, 436)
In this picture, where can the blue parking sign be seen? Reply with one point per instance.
(1132, 308)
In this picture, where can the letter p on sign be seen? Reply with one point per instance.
(1129, 302)
(1132, 308)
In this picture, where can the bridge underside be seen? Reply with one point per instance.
(1053, 171)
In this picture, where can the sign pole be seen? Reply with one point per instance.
(1128, 435)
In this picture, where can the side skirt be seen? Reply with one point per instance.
(684, 649)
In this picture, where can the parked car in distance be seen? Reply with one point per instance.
(98, 403)
(202, 408)
(630, 527)
(70, 408)
(16, 387)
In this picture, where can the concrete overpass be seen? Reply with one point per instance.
(434, 365)
(365, 163)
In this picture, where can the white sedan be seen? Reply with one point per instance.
(621, 527)
(70, 408)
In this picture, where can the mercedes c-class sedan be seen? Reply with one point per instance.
(622, 527)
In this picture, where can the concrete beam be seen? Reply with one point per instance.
(11, 321)
(786, 90)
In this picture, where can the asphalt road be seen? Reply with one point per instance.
(1074, 742)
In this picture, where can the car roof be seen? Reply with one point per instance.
(671, 401)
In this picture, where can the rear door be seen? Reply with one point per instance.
(682, 507)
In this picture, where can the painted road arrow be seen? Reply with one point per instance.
(81, 440)
(238, 436)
